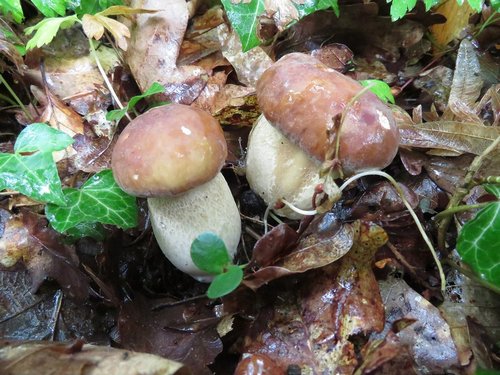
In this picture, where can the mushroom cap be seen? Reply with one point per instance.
(167, 151)
(301, 97)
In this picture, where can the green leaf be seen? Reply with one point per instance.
(379, 88)
(12, 7)
(430, 3)
(41, 137)
(493, 189)
(486, 372)
(117, 114)
(477, 5)
(226, 282)
(93, 7)
(93, 230)
(479, 241)
(50, 8)
(100, 199)
(34, 176)
(209, 253)
(400, 7)
(46, 30)
(495, 4)
(244, 18)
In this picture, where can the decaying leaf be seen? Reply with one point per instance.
(154, 47)
(94, 25)
(184, 332)
(27, 238)
(38, 357)
(311, 325)
(428, 338)
(452, 136)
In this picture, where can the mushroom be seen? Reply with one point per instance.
(172, 155)
(312, 107)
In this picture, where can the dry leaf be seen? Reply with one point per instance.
(457, 137)
(34, 358)
(94, 25)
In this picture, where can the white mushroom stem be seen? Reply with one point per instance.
(177, 221)
(277, 170)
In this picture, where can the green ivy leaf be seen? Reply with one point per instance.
(226, 282)
(50, 8)
(35, 175)
(41, 137)
(93, 230)
(477, 5)
(100, 199)
(209, 253)
(117, 114)
(13, 8)
(479, 241)
(400, 7)
(379, 88)
(46, 30)
(244, 16)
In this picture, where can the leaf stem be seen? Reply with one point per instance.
(462, 191)
(412, 213)
(105, 78)
(457, 209)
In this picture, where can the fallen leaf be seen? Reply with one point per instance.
(27, 238)
(184, 332)
(428, 339)
(77, 358)
(94, 25)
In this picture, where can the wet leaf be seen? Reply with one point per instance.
(100, 199)
(35, 175)
(428, 339)
(181, 331)
(32, 358)
(478, 240)
(449, 135)
(29, 240)
(310, 325)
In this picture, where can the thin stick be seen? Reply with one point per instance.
(412, 213)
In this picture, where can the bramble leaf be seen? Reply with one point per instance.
(46, 30)
(12, 7)
(117, 114)
(479, 240)
(400, 7)
(100, 199)
(50, 8)
(209, 253)
(379, 88)
(226, 282)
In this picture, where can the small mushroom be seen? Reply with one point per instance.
(173, 155)
(313, 106)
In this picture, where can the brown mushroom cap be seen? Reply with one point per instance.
(167, 151)
(301, 96)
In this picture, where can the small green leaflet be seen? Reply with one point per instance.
(379, 88)
(100, 199)
(479, 240)
(35, 175)
(12, 8)
(117, 114)
(400, 7)
(51, 8)
(226, 282)
(47, 29)
(209, 253)
(244, 16)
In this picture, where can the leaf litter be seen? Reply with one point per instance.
(319, 295)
